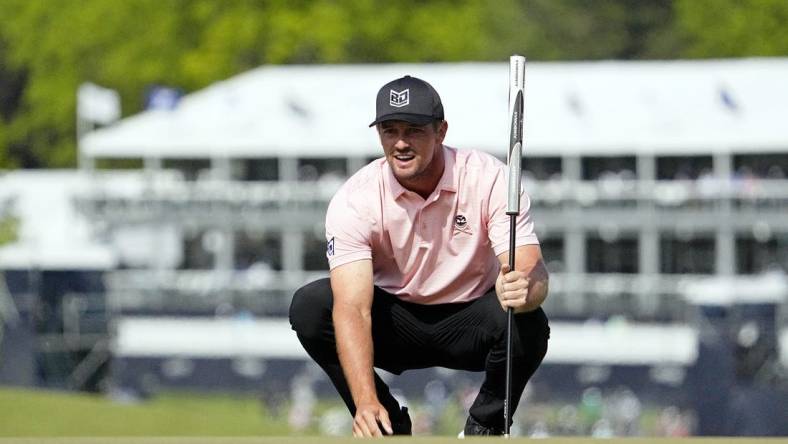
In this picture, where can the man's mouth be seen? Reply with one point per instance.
(404, 157)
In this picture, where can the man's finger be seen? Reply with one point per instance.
(362, 426)
(511, 276)
(371, 423)
(383, 417)
(516, 286)
(505, 269)
(362, 431)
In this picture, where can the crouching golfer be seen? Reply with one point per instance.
(418, 253)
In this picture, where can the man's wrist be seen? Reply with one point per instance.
(527, 308)
(373, 399)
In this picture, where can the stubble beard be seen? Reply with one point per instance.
(419, 176)
(414, 176)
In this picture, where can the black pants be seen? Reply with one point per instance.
(465, 336)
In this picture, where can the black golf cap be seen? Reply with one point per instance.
(409, 99)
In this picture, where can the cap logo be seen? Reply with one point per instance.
(398, 99)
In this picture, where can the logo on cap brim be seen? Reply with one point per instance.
(398, 99)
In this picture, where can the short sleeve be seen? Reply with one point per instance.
(498, 222)
(347, 231)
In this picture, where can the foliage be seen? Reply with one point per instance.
(733, 28)
(48, 48)
(9, 230)
(595, 29)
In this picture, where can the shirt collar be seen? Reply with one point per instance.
(448, 181)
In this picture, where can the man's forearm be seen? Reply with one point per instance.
(354, 345)
(537, 293)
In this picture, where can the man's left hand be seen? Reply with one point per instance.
(512, 289)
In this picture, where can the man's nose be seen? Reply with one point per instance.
(401, 143)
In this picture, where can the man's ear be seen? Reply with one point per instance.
(442, 129)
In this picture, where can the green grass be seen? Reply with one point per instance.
(45, 417)
(43, 413)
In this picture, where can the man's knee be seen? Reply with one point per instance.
(310, 308)
(533, 333)
(532, 325)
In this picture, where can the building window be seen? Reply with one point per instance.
(761, 166)
(605, 255)
(119, 163)
(599, 168)
(198, 251)
(541, 168)
(315, 252)
(190, 169)
(312, 170)
(761, 252)
(683, 167)
(262, 169)
(686, 256)
(258, 249)
(553, 254)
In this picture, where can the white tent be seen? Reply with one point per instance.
(598, 108)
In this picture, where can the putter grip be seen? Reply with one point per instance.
(516, 118)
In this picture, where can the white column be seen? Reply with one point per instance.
(288, 169)
(574, 240)
(648, 237)
(225, 256)
(725, 237)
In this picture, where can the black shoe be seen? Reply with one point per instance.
(402, 426)
(472, 427)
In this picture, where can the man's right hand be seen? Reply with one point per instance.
(353, 291)
(368, 416)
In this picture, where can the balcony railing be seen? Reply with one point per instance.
(658, 297)
(550, 192)
(560, 203)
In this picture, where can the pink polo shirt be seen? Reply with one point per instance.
(429, 251)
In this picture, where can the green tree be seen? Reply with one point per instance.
(594, 29)
(55, 46)
(9, 229)
(733, 28)
(129, 45)
(48, 48)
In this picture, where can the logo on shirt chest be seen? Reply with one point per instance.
(461, 224)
